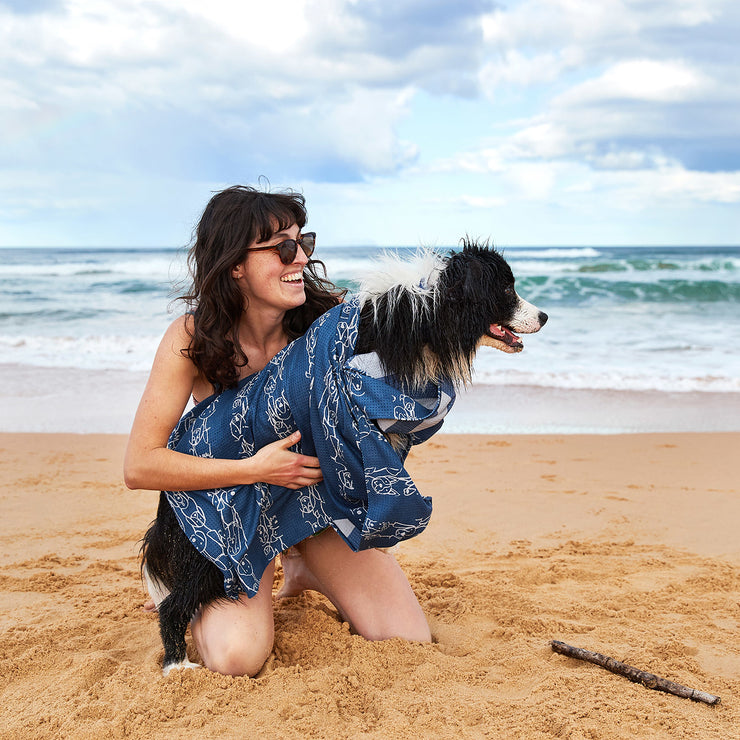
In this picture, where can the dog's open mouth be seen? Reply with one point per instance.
(498, 334)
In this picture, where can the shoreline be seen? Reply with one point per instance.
(537, 410)
(76, 400)
(621, 544)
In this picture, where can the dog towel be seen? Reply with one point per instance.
(342, 404)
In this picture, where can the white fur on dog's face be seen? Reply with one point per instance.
(526, 318)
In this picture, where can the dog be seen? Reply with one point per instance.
(421, 323)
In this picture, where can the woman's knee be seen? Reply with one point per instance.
(236, 638)
(239, 657)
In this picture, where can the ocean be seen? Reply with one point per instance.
(632, 319)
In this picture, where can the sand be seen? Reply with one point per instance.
(626, 545)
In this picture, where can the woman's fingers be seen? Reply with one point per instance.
(309, 462)
(289, 441)
(283, 467)
(307, 477)
(306, 460)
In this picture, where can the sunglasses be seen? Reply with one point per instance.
(289, 248)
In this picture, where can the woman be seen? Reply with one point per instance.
(254, 290)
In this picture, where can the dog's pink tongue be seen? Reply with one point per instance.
(501, 332)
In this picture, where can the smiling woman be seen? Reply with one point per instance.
(254, 289)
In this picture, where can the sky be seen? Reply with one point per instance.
(403, 122)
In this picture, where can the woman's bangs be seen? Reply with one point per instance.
(276, 217)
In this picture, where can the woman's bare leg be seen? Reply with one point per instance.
(368, 588)
(236, 637)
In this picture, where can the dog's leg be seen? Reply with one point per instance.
(172, 625)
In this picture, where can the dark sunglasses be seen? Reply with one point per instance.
(289, 248)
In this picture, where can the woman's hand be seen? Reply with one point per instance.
(277, 465)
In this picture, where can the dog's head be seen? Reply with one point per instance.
(426, 317)
(478, 283)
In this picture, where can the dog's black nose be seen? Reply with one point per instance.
(543, 318)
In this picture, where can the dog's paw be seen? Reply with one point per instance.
(177, 666)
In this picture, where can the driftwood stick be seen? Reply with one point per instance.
(649, 680)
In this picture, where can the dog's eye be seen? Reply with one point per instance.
(509, 290)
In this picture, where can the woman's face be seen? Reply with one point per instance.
(266, 282)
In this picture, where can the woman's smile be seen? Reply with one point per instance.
(293, 277)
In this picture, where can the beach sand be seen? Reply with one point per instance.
(627, 545)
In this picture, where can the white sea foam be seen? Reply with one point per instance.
(344, 268)
(614, 380)
(90, 352)
(162, 267)
(554, 253)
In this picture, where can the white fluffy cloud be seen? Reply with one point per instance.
(647, 80)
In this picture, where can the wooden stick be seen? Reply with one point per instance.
(649, 680)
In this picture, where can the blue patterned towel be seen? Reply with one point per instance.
(340, 402)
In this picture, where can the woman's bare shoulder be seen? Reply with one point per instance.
(180, 331)
(176, 340)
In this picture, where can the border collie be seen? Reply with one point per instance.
(425, 319)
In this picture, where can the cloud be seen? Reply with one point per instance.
(433, 44)
(513, 68)
(608, 29)
(674, 185)
(27, 7)
(472, 201)
(278, 27)
(648, 80)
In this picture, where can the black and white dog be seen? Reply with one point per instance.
(425, 320)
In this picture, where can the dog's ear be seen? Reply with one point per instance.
(462, 279)
(472, 279)
(472, 282)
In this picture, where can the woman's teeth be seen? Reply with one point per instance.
(292, 278)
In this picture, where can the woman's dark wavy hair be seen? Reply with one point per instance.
(233, 219)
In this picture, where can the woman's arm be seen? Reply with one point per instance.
(149, 464)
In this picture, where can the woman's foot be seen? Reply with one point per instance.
(297, 577)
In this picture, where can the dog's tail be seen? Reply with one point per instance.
(156, 552)
(170, 564)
